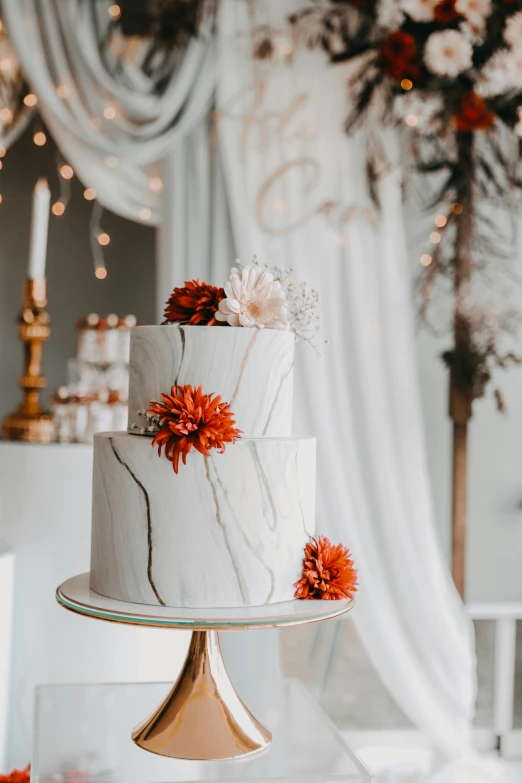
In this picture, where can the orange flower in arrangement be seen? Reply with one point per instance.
(445, 11)
(189, 419)
(328, 572)
(473, 114)
(399, 56)
(17, 776)
(195, 304)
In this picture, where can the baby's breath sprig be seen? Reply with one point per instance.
(302, 303)
(153, 423)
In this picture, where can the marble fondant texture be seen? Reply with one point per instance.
(228, 530)
(252, 369)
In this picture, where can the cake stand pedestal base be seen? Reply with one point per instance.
(203, 717)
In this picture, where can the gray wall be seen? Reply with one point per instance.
(73, 290)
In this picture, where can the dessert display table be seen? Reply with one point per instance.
(82, 734)
(202, 718)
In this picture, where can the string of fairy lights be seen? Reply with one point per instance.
(99, 237)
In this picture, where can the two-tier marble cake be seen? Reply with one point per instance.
(227, 530)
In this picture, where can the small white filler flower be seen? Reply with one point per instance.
(419, 10)
(253, 298)
(448, 53)
(513, 31)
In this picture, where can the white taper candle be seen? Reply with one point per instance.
(39, 227)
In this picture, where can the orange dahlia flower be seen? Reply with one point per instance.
(328, 572)
(195, 304)
(17, 776)
(189, 419)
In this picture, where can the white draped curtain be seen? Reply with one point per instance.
(253, 157)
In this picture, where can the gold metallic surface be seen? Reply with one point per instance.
(29, 422)
(203, 717)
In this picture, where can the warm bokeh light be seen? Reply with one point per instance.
(339, 239)
(104, 239)
(114, 11)
(1, 165)
(39, 138)
(66, 171)
(145, 213)
(6, 115)
(155, 184)
(111, 161)
(411, 120)
(89, 194)
(100, 273)
(426, 259)
(2, 152)
(109, 113)
(5, 65)
(406, 84)
(457, 209)
(30, 99)
(62, 91)
(1, 198)
(435, 237)
(440, 221)
(58, 208)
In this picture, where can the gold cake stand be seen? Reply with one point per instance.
(203, 717)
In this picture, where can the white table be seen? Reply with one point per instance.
(45, 520)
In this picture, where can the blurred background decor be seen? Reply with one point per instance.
(451, 73)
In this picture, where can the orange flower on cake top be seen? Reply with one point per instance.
(195, 304)
(328, 572)
(188, 419)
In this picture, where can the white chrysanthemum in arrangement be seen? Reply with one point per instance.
(501, 73)
(425, 108)
(513, 31)
(253, 298)
(475, 11)
(448, 53)
(389, 14)
(420, 10)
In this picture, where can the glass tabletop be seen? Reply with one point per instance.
(76, 595)
(83, 734)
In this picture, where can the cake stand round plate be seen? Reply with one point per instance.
(202, 718)
(76, 595)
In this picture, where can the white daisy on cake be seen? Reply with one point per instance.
(253, 298)
(448, 53)
(420, 10)
(513, 31)
(501, 73)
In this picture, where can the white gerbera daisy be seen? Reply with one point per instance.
(420, 10)
(448, 53)
(513, 31)
(253, 298)
(475, 11)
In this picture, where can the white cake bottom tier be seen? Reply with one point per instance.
(227, 530)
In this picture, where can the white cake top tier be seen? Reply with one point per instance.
(252, 370)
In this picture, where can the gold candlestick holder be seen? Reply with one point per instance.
(30, 422)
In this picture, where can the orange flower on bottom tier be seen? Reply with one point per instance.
(189, 419)
(17, 776)
(328, 572)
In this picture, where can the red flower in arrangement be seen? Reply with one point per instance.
(473, 114)
(399, 56)
(445, 11)
(328, 572)
(17, 776)
(189, 419)
(195, 304)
